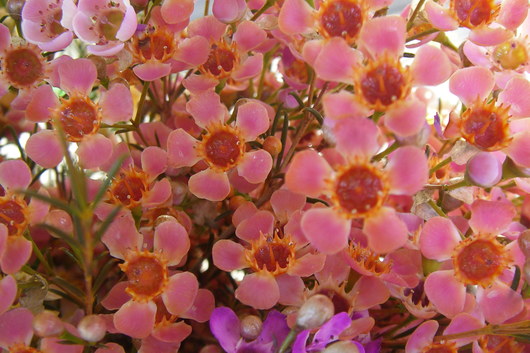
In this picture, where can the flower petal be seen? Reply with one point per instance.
(307, 173)
(136, 319)
(253, 287)
(326, 230)
(172, 240)
(180, 292)
(209, 185)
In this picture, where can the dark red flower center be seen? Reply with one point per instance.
(486, 126)
(223, 148)
(79, 117)
(221, 61)
(479, 261)
(23, 67)
(129, 187)
(383, 84)
(341, 18)
(155, 44)
(472, 13)
(13, 216)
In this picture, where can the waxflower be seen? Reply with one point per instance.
(357, 189)
(223, 147)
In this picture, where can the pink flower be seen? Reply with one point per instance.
(223, 147)
(356, 189)
(104, 24)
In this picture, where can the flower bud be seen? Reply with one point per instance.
(251, 326)
(484, 169)
(14, 8)
(92, 328)
(47, 323)
(273, 145)
(342, 347)
(314, 312)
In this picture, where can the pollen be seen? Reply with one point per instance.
(486, 126)
(22, 66)
(14, 215)
(473, 13)
(479, 260)
(510, 55)
(222, 60)
(271, 253)
(222, 147)
(358, 190)
(368, 260)
(147, 275)
(22, 348)
(341, 18)
(79, 117)
(383, 82)
(446, 347)
(129, 187)
(154, 44)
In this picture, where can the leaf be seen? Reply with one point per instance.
(54, 202)
(102, 275)
(67, 286)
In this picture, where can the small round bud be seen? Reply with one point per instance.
(273, 145)
(47, 323)
(236, 201)
(342, 347)
(314, 312)
(251, 326)
(14, 8)
(92, 328)
(484, 169)
(164, 218)
(61, 220)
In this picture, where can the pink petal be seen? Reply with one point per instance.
(484, 169)
(440, 17)
(5, 37)
(181, 149)
(44, 149)
(255, 166)
(136, 319)
(202, 307)
(438, 239)
(244, 211)
(385, 34)
(208, 27)
(229, 11)
(519, 147)
(499, 303)
(487, 36)
(17, 253)
(159, 193)
(209, 185)
(307, 173)
(406, 118)
(514, 95)
(445, 292)
(407, 170)
(250, 229)
(38, 209)
(422, 69)
(94, 150)
(152, 70)
(307, 265)
(422, 337)
(248, 36)
(477, 55)
(128, 25)
(16, 326)
(252, 287)
(228, 255)
(291, 290)
(461, 323)
(8, 293)
(491, 217)
(512, 13)
(342, 105)
(336, 61)
(295, 17)
(154, 161)
(172, 241)
(357, 137)
(335, 238)
(252, 119)
(122, 236)
(174, 11)
(78, 76)
(471, 84)
(180, 292)
(193, 51)
(116, 297)
(386, 231)
(14, 174)
(370, 291)
(206, 108)
(43, 100)
(116, 104)
(110, 347)
(285, 202)
(54, 344)
(249, 68)
(199, 83)
(173, 332)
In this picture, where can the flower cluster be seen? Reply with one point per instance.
(265, 176)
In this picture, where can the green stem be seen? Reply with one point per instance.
(265, 7)
(440, 165)
(410, 23)
(206, 7)
(289, 340)
(138, 117)
(386, 152)
(454, 186)
(422, 34)
(436, 208)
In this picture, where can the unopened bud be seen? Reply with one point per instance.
(342, 347)
(273, 145)
(14, 8)
(251, 326)
(92, 328)
(164, 218)
(314, 312)
(47, 323)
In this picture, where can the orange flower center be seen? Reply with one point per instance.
(272, 254)
(79, 117)
(486, 126)
(147, 275)
(13, 214)
(298, 71)
(472, 13)
(359, 190)
(154, 44)
(479, 261)
(368, 260)
(129, 187)
(448, 347)
(221, 60)
(383, 83)
(500, 344)
(222, 147)
(510, 55)
(22, 348)
(341, 18)
(110, 22)
(23, 66)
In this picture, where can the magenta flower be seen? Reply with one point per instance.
(104, 24)
(79, 116)
(223, 147)
(48, 24)
(356, 188)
